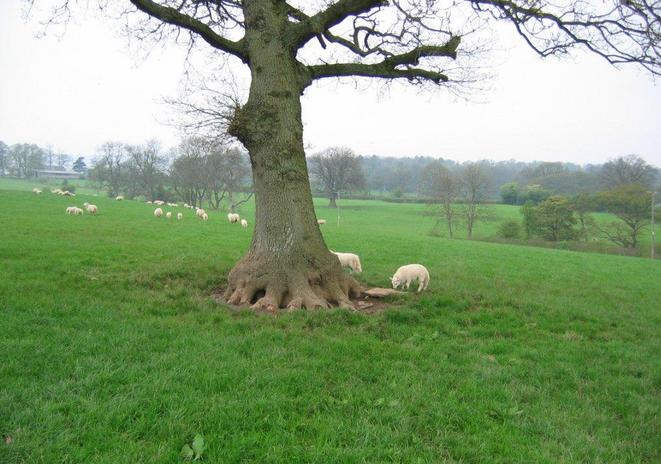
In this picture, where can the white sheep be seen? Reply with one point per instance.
(74, 210)
(199, 212)
(36, 190)
(119, 197)
(205, 217)
(244, 223)
(321, 221)
(233, 218)
(349, 260)
(409, 273)
(66, 193)
(179, 216)
(158, 212)
(92, 209)
(168, 215)
(159, 202)
(149, 202)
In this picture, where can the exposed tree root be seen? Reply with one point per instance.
(267, 285)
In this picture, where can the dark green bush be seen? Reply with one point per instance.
(509, 229)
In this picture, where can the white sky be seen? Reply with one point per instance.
(77, 91)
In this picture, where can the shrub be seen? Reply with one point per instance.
(509, 229)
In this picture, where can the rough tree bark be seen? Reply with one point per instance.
(288, 263)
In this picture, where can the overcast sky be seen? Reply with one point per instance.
(77, 91)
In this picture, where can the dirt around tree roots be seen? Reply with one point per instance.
(370, 301)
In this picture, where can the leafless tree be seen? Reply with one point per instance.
(228, 171)
(288, 45)
(4, 158)
(148, 164)
(626, 170)
(443, 186)
(25, 159)
(188, 172)
(474, 186)
(336, 169)
(107, 168)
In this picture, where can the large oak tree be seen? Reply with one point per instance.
(289, 44)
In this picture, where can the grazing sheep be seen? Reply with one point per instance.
(199, 212)
(321, 221)
(205, 217)
(66, 193)
(119, 197)
(233, 218)
(186, 205)
(92, 209)
(149, 202)
(36, 190)
(159, 202)
(244, 223)
(405, 275)
(168, 215)
(74, 210)
(173, 205)
(179, 216)
(158, 212)
(349, 260)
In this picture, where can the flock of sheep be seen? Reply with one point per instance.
(403, 278)
(199, 212)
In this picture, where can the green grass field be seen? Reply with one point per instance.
(113, 350)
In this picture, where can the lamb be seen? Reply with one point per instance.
(179, 216)
(92, 209)
(405, 275)
(244, 223)
(74, 210)
(233, 218)
(168, 215)
(321, 221)
(158, 212)
(349, 260)
(205, 217)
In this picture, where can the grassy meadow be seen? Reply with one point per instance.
(114, 351)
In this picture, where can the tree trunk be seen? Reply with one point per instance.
(288, 263)
(332, 203)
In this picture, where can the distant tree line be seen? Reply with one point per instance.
(23, 160)
(198, 171)
(628, 188)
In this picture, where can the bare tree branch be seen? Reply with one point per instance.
(175, 17)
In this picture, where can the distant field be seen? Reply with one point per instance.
(113, 350)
